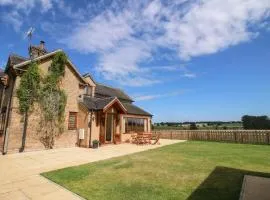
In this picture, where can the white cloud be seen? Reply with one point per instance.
(67, 10)
(46, 5)
(165, 68)
(146, 97)
(213, 25)
(13, 18)
(156, 96)
(189, 75)
(101, 33)
(136, 81)
(27, 5)
(126, 35)
(20, 10)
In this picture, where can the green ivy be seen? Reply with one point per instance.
(28, 91)
(48, 94)
(57, 68)
(53, 101)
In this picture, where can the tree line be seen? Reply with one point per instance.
(256, 122)
(248, 122)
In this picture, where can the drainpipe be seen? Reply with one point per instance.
(24, 131)
(90, 134)
(7, 119)
(2, 98)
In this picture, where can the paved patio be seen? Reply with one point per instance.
(19, 173)
(255, 187)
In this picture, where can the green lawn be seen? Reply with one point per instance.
(191, 170)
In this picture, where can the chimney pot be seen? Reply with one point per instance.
(42, 44)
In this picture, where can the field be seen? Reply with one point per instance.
(220, 126)
(191, 170)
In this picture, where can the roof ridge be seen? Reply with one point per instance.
(102, 84)
(15, 54)
(116, 88)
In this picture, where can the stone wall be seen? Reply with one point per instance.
(69, 138)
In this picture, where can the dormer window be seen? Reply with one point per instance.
(88, 90)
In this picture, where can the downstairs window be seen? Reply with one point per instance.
(72, 121)
(134, 124)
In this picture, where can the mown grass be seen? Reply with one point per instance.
(191, 170)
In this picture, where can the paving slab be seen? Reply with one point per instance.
(20, 173)
(255, 188)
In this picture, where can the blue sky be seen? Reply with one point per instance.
(182, 60)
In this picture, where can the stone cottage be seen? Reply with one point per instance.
(93, 111)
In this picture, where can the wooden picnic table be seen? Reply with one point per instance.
(141, 138)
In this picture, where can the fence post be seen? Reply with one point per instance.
(268, 139)
(171, 135)
(234, 133)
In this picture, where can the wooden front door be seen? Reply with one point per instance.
(110, 127)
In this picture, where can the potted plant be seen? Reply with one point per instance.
(117, 139)
(95, 144)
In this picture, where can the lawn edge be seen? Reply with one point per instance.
(62, 187)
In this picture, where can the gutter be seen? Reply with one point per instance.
(17, 67)
(90, 133)
(35, 59)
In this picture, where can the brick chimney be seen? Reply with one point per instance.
(42, 45)
(36, 51)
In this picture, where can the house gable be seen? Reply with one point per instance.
(47, 58)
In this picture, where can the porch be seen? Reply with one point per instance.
(110, 121)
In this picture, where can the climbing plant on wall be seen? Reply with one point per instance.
(50, 98)
(52, 102)
(28, 94)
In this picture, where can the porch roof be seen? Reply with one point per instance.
(93, 103)
(135, 110)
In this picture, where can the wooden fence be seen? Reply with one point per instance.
(236, 136)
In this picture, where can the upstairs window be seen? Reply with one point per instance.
(72, 121)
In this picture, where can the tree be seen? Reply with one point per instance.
(256, 122)
(193, 126)
(28, 93)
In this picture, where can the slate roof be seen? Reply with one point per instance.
(96, 103)
(16, 59)
(100, 103)
(106, 91)
(135, 110)
(89, 75)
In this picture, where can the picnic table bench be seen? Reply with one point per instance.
(144, 138)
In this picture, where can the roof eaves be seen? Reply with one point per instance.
(16, 55)
(89, 75)
(115, 99)
(46, 56)
(132, 106)
(36, 59)
(120, 90)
